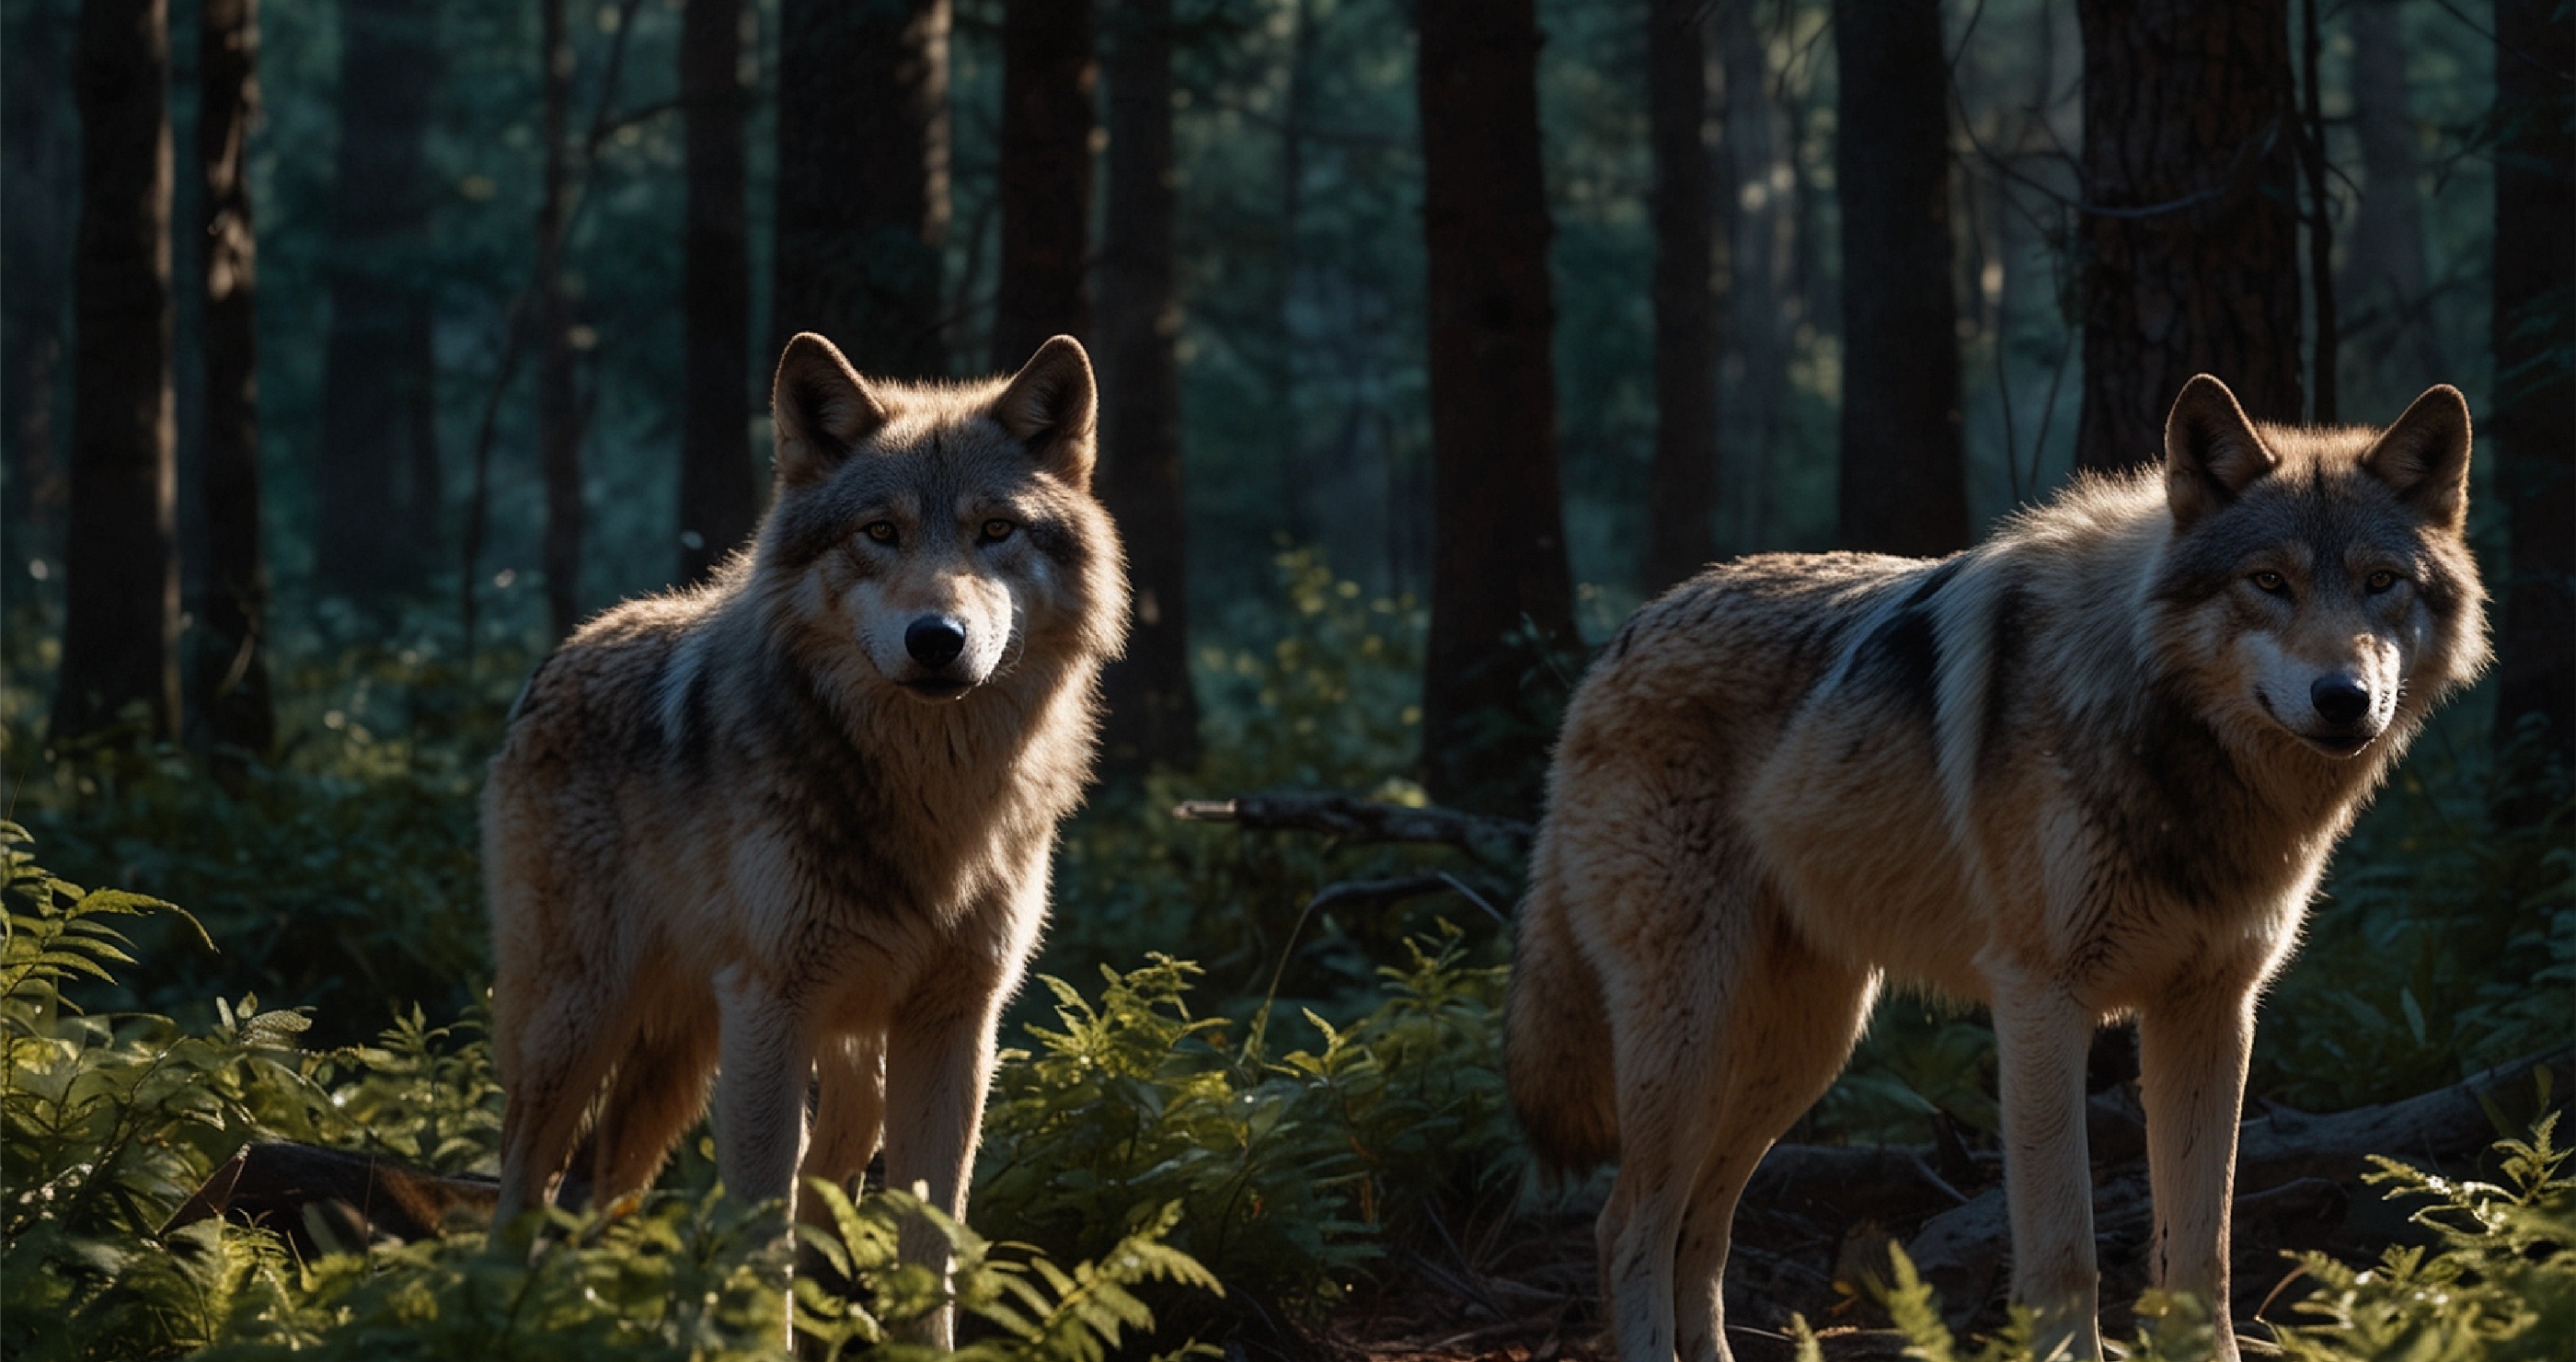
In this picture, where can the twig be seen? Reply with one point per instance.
(1358, 820)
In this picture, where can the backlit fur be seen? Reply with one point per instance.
(741, 828)
(2074, 773)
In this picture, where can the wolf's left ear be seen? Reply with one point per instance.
(2424, 457)
(2211, 451)
(820, 409)
(1050, 406)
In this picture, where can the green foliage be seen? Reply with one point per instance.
(2497, 1282)
(1290, 1172)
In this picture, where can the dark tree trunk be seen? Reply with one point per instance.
(372, 396)
(863, 179)
(2383, 275)
(1045, 176)
(2533, 410)
(558, 409)
(1904, 472)
(2324, 325)
(1681, 485)
(718, 498)
(229, 674)
(35, 259)
(1153, 714)
(1502, 595)
(121, 589)
(1751, 159)
(2190, 223)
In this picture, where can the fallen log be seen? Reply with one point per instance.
(1361, 820)
(333, 1201)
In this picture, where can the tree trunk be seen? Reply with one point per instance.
(558, 410)
(2383, 274)
(1502, 595)
(2190, 222)
(1681, 484)
(371, 391)
(1153, 714)
(121, 589)
(229, 672)
(1752, 161)
(35, 259)
(863, 179)
(718, 499)
(1045, 176)
(2534, 404)
(1904, 471)
(2324, 325)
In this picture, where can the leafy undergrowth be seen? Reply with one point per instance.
(2496, 1282)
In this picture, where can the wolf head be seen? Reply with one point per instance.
(940, 532)
(2318, 581)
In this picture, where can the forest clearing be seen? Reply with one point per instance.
(355, 355)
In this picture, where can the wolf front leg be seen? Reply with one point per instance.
(2192, 1048)
(938, 1066)
(760, 1096)
(2040, 1038)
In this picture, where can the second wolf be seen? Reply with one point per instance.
(797, 823)
(2090, 768)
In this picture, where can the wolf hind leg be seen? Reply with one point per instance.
(553, 1059)
(659, 1088)
(1785, 1036)
(849, 1114)
(1668, 1002)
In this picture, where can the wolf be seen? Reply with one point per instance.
(793, 828)
(2090, 768)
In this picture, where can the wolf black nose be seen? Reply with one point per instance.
(934, 640)
(2340, 700)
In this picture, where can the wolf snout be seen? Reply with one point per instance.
(934, 640)
(2340, 700)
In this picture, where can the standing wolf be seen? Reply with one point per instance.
(2092, 767)
(798, 821)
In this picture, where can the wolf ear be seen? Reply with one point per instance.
(2211, 451)
(1050, 405)
(820, 408)
(2424, 457)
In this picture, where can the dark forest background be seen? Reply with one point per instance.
(352, 351)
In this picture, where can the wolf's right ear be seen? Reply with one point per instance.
(820, 408)
(2211, 451)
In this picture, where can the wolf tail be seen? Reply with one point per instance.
(1556, 1039)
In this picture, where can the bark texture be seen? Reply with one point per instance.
(1752, 165)
(1502, 597)
(228, 675)
(121, 588)
(2190, 223)
(1153, 714)
(2533, 411)
(376, 404)
(1904, 486)
(35, 260)
(718, 498)
(2382, 290)
(1681, 484)
(1045, 177)
(863, 179)
(558, 410)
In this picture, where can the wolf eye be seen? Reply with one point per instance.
(997, 529)
(2271, 583)
(2380, 581)
(882, 531)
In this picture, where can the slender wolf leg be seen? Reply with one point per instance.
(660, 1087)
(2041, 1036)
(849, 1115)
(937, 1069)
(760, 1091)
(2191, 1079)
(1673, 1077)
(1785, 1036)
(553, 1059)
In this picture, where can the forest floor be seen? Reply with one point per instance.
(1819, 1219)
